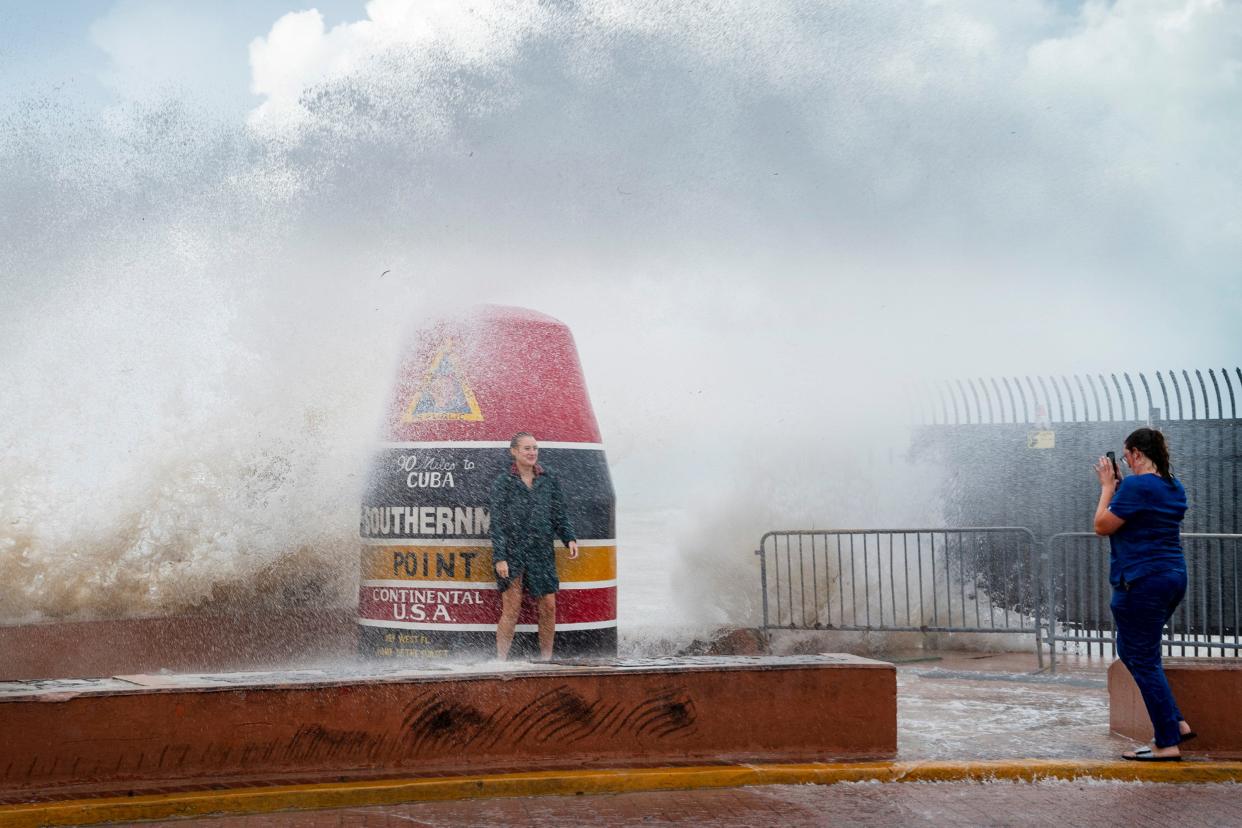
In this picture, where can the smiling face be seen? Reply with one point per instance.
(525, 453)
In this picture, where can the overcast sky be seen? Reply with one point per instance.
(955, 187)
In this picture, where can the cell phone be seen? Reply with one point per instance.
(1112, 458)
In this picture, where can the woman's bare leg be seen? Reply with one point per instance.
(547, 625)
(510, 603)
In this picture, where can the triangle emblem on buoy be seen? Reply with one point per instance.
(443, 393)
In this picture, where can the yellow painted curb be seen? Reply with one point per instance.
(569, 783)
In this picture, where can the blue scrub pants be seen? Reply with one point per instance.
(1141, 613)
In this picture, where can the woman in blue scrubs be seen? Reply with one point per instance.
(1142, 516)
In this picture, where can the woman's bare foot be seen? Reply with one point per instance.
(1151, 753)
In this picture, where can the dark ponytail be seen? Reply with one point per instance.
(1152, 444)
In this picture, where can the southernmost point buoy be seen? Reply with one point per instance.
(466, 386)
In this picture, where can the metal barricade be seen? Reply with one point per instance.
(967, 580)
(1206, 623)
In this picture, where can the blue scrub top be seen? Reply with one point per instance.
(1150, 540)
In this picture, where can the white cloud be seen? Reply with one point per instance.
(989, 138)
(171, 49)
(1155, 88)
(1156, 62)
(299, 52)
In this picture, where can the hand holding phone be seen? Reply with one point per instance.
(1112, 458)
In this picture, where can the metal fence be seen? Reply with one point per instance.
(1056, 427)
(1206, 623)
(1090, 397)
(981, 580)
(987, 580)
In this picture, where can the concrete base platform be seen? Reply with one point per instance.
(1208, 692)
(132, 735)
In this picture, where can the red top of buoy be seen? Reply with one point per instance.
(489, 374)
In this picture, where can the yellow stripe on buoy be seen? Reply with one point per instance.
(472, 563)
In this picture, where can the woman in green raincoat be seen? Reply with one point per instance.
(527, 513)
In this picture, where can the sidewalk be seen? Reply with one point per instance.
(895, 804)
(976, 706)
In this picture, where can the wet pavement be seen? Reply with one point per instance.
(951, 707)
(981, 707)
(866, 804)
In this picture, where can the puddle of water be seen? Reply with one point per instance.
(959, 715)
